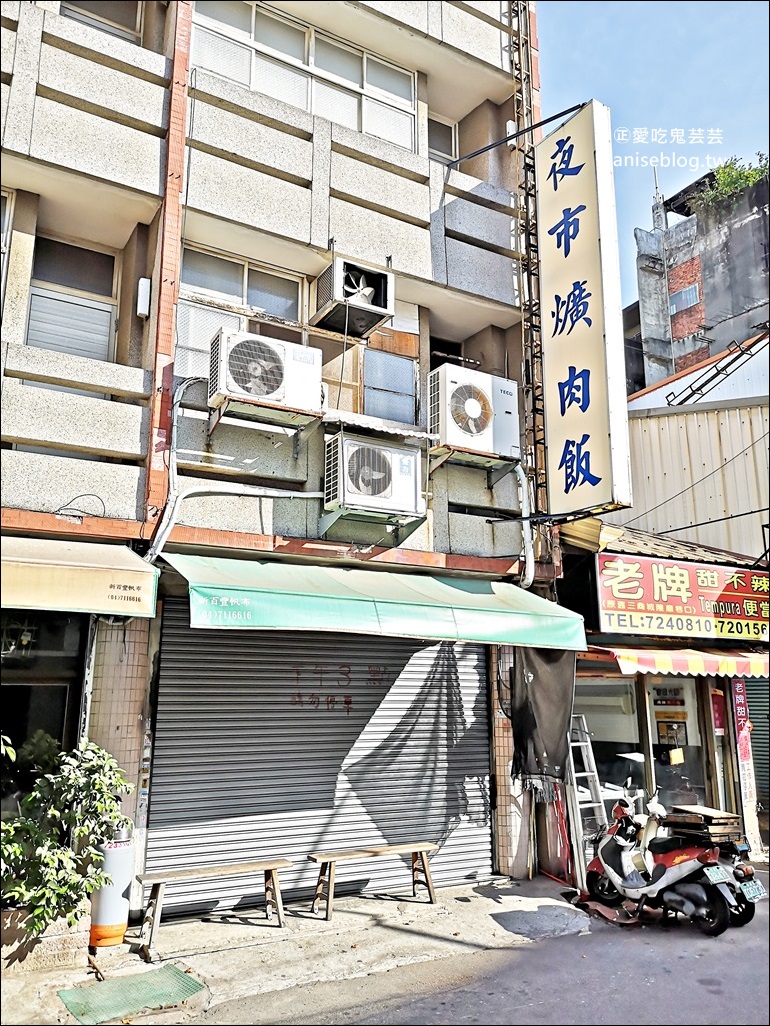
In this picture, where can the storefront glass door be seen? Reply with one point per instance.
(677, 747)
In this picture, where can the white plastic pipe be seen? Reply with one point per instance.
(175, 497)
(528, 575)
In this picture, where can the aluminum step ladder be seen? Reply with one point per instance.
(586, 815)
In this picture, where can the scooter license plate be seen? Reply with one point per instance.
(715, 874)
(753, 890)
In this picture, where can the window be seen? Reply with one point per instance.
(683, 299)
(43, 665)
(6, 198)
(245, 288)
(71, 307)
(442, 140)
(71, 310)
(390, 387)
(118, 17)
(297, 64)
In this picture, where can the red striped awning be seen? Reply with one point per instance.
(689, 662)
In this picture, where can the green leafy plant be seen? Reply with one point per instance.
(51, 863)
(6, 748)
(39, 753)
(730, 179)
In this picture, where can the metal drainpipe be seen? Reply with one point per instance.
(175, 498)
(529, 555)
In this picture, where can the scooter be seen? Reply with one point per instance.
(747, 890)
(668, 873)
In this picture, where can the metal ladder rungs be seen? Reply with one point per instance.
(593, 811)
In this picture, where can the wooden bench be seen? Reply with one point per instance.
(157, 881)
(328, 859)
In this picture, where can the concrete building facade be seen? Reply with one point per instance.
(703, 281)
(183, 179)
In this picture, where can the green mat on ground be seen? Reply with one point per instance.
(119, 996)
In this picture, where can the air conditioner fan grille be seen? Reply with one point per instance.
(471, 409)
(369, 470)
(256, 367)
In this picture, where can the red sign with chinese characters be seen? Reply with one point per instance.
(743, 730)
(669, 598)
(718, 713)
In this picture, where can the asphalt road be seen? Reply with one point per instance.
(631, 974)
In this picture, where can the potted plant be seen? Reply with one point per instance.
(51, 858)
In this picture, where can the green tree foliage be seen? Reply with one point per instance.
(730, 179)
(50, 858)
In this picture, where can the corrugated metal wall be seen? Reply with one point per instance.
(282, 744)
(696, 471)
(759, 714)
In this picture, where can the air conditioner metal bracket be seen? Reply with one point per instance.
(398, 526)
(496, 466)
(300, 425)
(304, 431)
(498, 473)
(438, 461)
(215, 416)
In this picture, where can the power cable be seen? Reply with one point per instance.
(690, 487)
(719, 520)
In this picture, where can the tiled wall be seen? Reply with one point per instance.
(120, 681)
(513, 803)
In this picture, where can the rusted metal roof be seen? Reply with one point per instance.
(596, 536)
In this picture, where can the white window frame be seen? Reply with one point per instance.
(39, 287)
(443, 158)
(94, 298)
(105, 24)
(5, 238)
(78, 298)
(314, 73)
(673, 308)
(197, 295)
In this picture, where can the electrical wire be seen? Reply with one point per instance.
(68, 506)
(700, 480)
(344, 354)
(719, 520)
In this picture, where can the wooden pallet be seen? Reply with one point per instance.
(702, 814)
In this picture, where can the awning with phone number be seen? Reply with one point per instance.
(76, 577)
(689, 662)
(253, 595)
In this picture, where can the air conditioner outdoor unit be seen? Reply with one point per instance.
(264, 371)
(474, 411)
(376, 477)
(352, 298)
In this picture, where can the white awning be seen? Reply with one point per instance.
(76, 576)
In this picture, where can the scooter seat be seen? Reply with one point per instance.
(661, 845)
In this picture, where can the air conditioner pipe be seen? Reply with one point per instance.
(528, 575)
(175, 497)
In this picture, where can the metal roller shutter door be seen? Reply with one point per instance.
(759, 713)
(280, 744)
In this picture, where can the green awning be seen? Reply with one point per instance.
(251, 595)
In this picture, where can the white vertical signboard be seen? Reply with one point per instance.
(584, 378)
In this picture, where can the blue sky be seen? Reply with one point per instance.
(660, 67)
